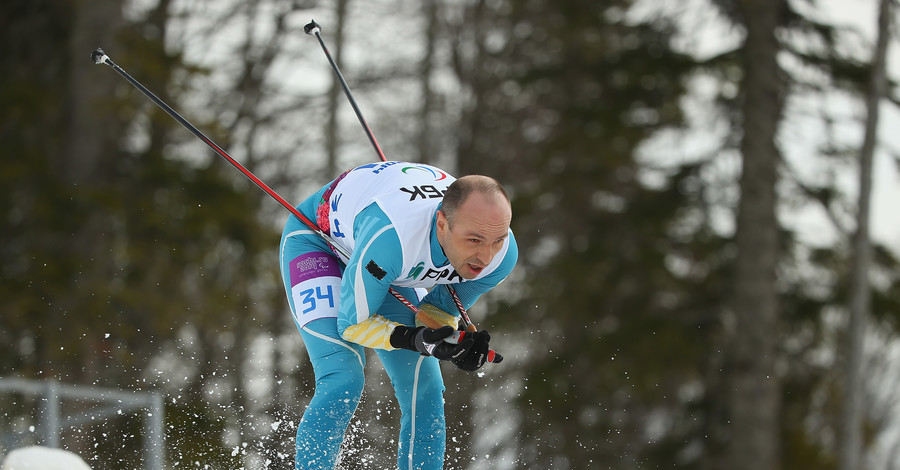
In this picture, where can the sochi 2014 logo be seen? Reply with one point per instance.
(437, 174)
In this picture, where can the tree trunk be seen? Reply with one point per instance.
(85, 165)
(332, 136)
(754, 396)
(850, 449)
(471, 75)
(425, 138)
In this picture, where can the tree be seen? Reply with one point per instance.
(753, 401)
(334, 92)
(120, 242)
(132, 256)
(558, 99)
(860, 296)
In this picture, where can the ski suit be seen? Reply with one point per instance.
(384, 214)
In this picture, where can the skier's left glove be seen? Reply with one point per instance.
(476, 354)
(430, 342)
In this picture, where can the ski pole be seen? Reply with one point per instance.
(100, 57)
(313, 28)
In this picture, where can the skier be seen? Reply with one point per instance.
(409, 227)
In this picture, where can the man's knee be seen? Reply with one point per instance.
(343, 384)
(430, 388)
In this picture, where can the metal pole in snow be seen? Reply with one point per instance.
(154, 447)
(51, 414)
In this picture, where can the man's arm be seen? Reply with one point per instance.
(375, 262)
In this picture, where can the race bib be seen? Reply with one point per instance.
(315, 287)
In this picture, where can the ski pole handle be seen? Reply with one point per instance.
(457, 336)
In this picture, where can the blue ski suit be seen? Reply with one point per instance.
(384, 215)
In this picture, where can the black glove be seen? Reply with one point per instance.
(430, 342)
(476, 354)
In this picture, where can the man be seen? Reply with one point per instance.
(409, 227)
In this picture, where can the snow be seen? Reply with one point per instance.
(43, 458)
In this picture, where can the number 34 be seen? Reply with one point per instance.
(310, 296)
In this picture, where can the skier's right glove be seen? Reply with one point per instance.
(430, 342)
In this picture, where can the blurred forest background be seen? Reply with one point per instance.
(698, 285)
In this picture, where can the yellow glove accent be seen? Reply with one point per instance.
(375, 333)
(434, 318)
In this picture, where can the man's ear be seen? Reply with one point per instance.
(441, 220)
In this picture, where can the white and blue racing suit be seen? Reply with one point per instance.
(383, 214)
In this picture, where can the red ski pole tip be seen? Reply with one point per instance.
(494, 357)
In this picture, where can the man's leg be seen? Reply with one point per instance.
(312, 281)
(338, 368)
(419, 389)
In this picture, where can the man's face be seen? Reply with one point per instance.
(479, 227)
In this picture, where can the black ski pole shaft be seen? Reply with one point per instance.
(313, 28)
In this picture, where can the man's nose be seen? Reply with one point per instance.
(485, 255)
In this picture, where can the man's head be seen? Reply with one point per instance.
(473, 223)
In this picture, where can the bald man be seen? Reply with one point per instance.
(410, 227)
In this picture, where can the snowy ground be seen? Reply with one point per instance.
(43, 458)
